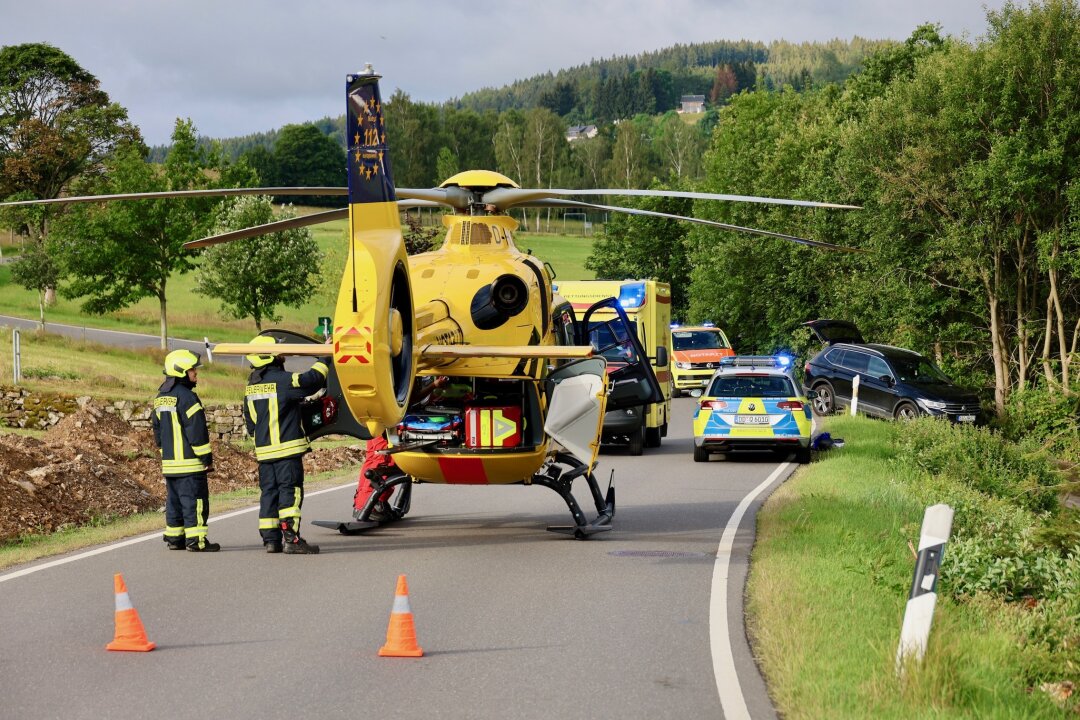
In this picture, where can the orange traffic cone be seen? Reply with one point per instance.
(130, 634)
(401, 634)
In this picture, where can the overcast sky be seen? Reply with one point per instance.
(242, 66)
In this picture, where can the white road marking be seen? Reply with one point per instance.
(141, 538)
(727, 679)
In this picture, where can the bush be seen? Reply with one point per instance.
(1050, 418)
(981, 460)
(1011, 567)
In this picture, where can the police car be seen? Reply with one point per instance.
(753, 402)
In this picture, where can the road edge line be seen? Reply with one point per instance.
(732, 701)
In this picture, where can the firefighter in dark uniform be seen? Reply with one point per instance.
(272, 414)
(180, 431)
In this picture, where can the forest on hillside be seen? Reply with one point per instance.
(650, 83)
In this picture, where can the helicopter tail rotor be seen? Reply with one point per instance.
(374, 322)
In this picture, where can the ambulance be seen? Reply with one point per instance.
(696, 351)
(647, 304)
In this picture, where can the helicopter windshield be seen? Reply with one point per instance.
(697, 340)
(613, 340)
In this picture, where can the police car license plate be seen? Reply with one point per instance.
(965, 418)
(752, 419)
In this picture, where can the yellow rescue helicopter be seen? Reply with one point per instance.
(530, 380)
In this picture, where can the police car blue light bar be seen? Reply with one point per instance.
(780, 361)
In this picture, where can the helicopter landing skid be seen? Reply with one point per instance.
(346, 528)
(561, 481)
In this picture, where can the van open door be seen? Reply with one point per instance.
(631, 380)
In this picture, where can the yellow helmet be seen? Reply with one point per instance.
(258, 361)
(178, 362)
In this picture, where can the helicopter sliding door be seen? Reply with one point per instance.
(631, 380)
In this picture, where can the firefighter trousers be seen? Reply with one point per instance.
(187, 508)
(282, 485)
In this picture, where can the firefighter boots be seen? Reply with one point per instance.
(272, 547)
(202, 545)
(293, 543)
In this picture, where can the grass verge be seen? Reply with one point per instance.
(828, 585)
(54, 363)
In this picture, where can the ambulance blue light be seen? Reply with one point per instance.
(632, 295)
(708, 324)
(783, 360)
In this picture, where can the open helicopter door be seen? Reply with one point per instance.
(631, 380)
(576, 400)
(327, 414)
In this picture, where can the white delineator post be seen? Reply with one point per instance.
(854, 395)
(919, 614)
(16, 356)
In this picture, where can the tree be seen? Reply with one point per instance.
(252, 277)
(680, 146)
(56, 125)
(124, 251)
(592, 155)
(629, 157)
(412, 130)
(304, 156)
(543, 147)
(35, 270)
(724, 85)
(446, 165)
(972, 159)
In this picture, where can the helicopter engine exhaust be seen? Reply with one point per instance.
(496, 303)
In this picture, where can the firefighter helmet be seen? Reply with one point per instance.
(178, 362)
(258, 361)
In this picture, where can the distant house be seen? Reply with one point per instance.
(577, 132)
(692, 104)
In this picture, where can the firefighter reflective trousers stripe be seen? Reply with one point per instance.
(187, 507)
(282, 486)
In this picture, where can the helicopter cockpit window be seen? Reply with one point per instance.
(613, 341)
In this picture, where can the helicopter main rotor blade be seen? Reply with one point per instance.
(454, 196)
(292, 223)
(218, 192)
(505, 198)
(554, 203)
(278, 226)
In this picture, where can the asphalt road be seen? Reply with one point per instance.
(515, 622)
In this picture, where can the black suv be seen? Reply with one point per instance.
(893, 382)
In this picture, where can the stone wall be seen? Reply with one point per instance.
(22, 408)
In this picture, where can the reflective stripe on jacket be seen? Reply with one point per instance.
(272, 409)
(180, 431)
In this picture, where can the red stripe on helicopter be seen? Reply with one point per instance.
(463, 471)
